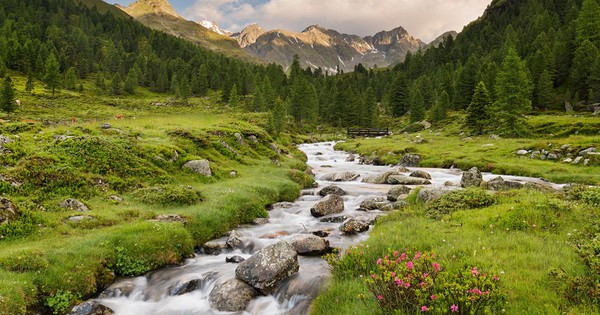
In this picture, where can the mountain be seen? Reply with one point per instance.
(214, 27)
(440, 39)
(160, 15)
(323, 48)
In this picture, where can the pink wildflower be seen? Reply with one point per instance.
(436, 267)
(407, 285)
(454, 308)
(496, 278)
(403, 256)
(395, 253)
(474, 271)
(393, 274)
(434, 297)
(409, 265)
(424, 308)
(417, 255)
(373, 275)
(379, 261)
(380, 297)
(425, 275)
(399, 282)
(423, 284)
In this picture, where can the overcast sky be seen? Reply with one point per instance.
(424, 19)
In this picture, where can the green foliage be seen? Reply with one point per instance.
(131, 81)
(115, 84)
(70, 79)
(472, 198)
(536, 216)
(126, 265)
(513, 95)
(417, 106)
(234, 96)
(60, 301)
(588, 22)
(279, 116)
(439, 111)
(30, 84)
(350, 263)
(52, 73)
(7, 98)
(399, 95)
(168, 195)
(478, 113)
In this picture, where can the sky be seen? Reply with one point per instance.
(424, 19)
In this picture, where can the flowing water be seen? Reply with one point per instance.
(154, 293)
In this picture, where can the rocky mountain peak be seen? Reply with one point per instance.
(214, 27)
(248, 35)
(147, 7)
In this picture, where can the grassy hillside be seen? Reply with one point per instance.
(50, 259)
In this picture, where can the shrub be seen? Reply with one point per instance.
(60, 301)
(534, 215)
(353, 264)
(472, 198)
(126, 265)
(168, 195)
(415, 282)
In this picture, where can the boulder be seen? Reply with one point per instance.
(379, 178)
(8, 211)
(577, 160)
(239, 138)
(331, 204)
(170, 218)
(105, 126)
(471, 178)
(340, 176)
(260, 221)
(410, 160)
(499, 184)
(215, 247)
(522, 152)
(395, 192)
(183, 287)
(587, 151)
(116, 199)
(373, 203)
(351, 158)
(310, 245)
(5, 139)
(332, 190)
(253, 138)
(79, 218)
(406, 180)
(234, 240)
(274, 147)
(91, 308)
(427, 195)
(201, 167)
(228, 147)
(552, 156)
(74, 204)
(420, 174)
(355, 225)
(232, 296)
(335, 219)
(269, 266)
(123, 288)
(234, 259)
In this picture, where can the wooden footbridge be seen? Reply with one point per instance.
(367, 132)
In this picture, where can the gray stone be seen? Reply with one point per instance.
(586, 151)
(499, 184)
(586, 162)
(5, 139)
(420, 174)
(332, 190)
(395, 192)
(535, 154)
(355, 225)
(522, 152)
(340, 176)
(351, 158)
(471, 178)
(274, 147)
(228, 147)
(577, 160)
(410, 160)
(232, 296)
(253, 138)
(79, 218)
(269, 266)
(181, 288)
(239, 138)
(427, 195)
(260, 221)
(105, 126)
(91, 308)
(8, 211)
(233, 174)
(334, 219)
(379, 178)
(116, 199)
(373, 203)
(201, 167)
(215, 247)
(552, 156)
(568, 160)
(331, 204)
(74, 204)
(234, 240)
(122, 288)
(170, 218)
(234, 259)
(406, 180)
(310, 245)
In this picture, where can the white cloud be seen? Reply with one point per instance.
(424, 19)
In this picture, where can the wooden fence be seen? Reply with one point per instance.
(367, 132)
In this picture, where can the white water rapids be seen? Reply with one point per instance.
(152, 293)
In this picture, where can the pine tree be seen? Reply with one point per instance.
(29, 86)
(588, 22)
(116, 84)
(370, 108)
(478, 112)
(513, 93)
(2, 67)
(544, 91)
(585, 57)
(439, 111)
(131, 81)
(70, 79)
(100, 83)
(417, 105)
(52, 73)
(234, 97)
(594, 82)
(184, 89)
(7, 99)
(278, 115)
(398, 98)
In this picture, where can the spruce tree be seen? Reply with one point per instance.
(2, 67)
(234, 96)
(398, 97)
(513, 93)
(439, 111)
(115, 88)
(7, 99)
(370, 108)
(417, 105)
(478, 112)
(52, 73)
(70, 79)
(594, 82)
(585, 57)
(131, 81)
(588, 22)
(278, 115)
(184, 89)
(544, 91)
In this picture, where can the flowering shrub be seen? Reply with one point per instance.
(354, 263)
(410, 283)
